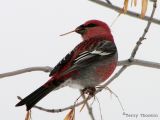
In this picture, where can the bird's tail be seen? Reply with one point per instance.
(38, 94)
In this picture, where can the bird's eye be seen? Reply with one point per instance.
(91, 25)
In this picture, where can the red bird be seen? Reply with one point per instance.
(90, 63)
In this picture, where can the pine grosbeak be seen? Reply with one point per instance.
(90, 63)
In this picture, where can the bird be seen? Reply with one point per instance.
(88, 65)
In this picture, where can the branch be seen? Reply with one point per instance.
(140, 63)
(139, 42)
(30, 69)
(89, 108)
(48, 69)
(126, 63)
(130, 13)
(135, 48)
(58, 110)
(79, 103)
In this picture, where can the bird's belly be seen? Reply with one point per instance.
(94, 74)
(76, 84)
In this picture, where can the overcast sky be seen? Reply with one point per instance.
(29, 36)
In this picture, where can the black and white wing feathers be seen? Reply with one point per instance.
(102, 49)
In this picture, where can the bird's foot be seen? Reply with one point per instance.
(89, 91)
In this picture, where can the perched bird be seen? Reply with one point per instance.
(90, 63)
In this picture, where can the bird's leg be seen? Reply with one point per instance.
(89, 91)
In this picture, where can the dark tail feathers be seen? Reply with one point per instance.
(38, 94)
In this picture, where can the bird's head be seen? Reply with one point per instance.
(93, 29)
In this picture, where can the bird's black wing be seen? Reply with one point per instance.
(101, 50)
(62, 63)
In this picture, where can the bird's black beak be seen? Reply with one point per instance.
(80, 30)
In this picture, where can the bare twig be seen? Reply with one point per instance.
(58, 110)
(29, 69)
(100, 89)
(99, 104)
(139, 42)
(83, 101)
(130, 13)
(135, 48)
(107, 88)
(79, 103)
(48, 69)
(133, 52)
(139, 63)
(89, 108)
(75, 105)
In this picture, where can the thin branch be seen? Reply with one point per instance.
(111, 92)
(140, 63)
(58, 110)
(30, 69)
(79, 103)
(98, 90)
(139, 42)
(135, 48)
(89, 108)
(99, 104)
(130, 13)
(48, 69)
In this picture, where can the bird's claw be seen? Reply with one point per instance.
(89, 91)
